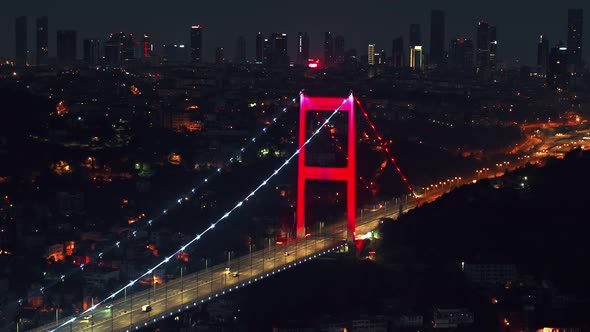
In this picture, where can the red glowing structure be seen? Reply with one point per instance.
(346, 174)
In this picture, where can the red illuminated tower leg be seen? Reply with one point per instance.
(346, 174)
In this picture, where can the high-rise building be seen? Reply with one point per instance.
(415, 35)
(21, 45)
(42, 57)
(381, 58)
(542, 53)
(493, 47)
(174, 53)
(147, 48)
(437, 37)
(302, 48)
(266, 51)
(91, 51)
(416, 52)
(371, 55)
(240, 50)
(119, 48)
(66, 47)
(575, 37)
(339, 52)
(219, 56)
(259, 48)
(196, 43)
(485, 58)
(557, 73)
(328, 48)
(397, 52)
(416, 57)
(461, 55)
(278, 46)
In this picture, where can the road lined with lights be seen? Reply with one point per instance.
(126, 314)
(149, 272)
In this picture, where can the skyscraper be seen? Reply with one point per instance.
(42, 41)
(371, 54)
(415, 35)
(557, 73)
(542, 53)
(66, 47)
(21, 50)
(302, 48)
(278, 45)
(437, 37)
(416, 52)
(266, 51)
(91, 51)
(339, 53)
(416, 57)
(575, 37)
(461, 55)
(397, 52)
(328, 49)
(259, 48)
(240, 50)
(146, 47)
(196, 43)
(483, 47)
(493, 47)
(219, 56)
(381, 58)
(119, 48)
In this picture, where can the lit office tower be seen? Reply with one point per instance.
(575, 20)
(542, 53)
(259, 49)
(119, 48)
(339, 53)
(371, 54)
(21, 49)
(461, 55)
(219, 56)
(146, 46)
(493, 47)
(240, 50)
(557, 73)
(42, 41)
(416, 52)
(381, 58)
(91, 51)
(266, 51)
(302, 48)
(437, 37)
(485, 58)
(66, 47)
(328, 49)
(278, 46)
(397, 52)
(196, 44)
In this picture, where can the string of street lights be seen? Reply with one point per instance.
(212, 226)
(230, 161)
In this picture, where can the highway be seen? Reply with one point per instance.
(125, 313)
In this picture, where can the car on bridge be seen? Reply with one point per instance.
(146, 308)
(235, 274)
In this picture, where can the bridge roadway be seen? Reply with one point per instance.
(126, 314)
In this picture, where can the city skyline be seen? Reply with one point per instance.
(379, 27)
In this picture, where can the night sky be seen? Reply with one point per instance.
(360, 22)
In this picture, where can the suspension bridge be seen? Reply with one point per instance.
(129, 310)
